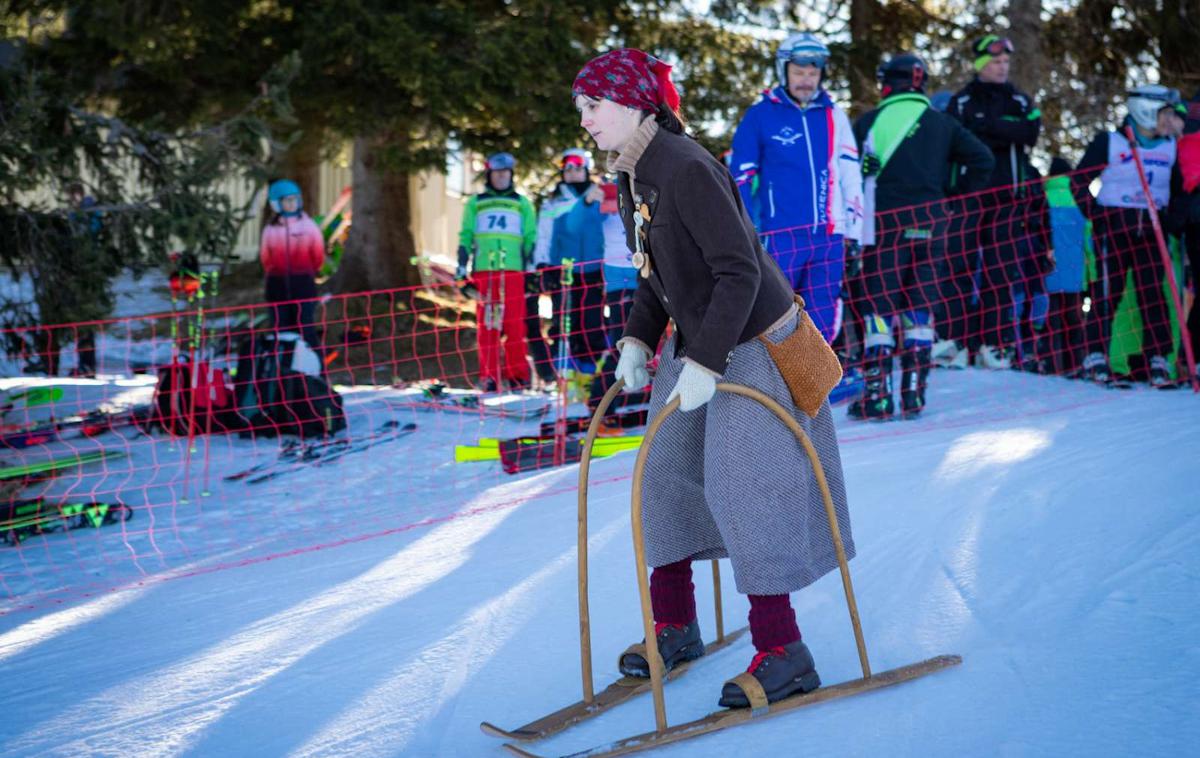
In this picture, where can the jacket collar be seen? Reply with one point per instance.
(627, 160)
(899, 97)
(780, 96)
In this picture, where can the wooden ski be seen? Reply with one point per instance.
(616, 693)
(732, 717)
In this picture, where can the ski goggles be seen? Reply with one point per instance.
(994, 46)
(574, 160)
(802, 58)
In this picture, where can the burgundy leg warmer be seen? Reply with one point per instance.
(672, 594)
(772, 621)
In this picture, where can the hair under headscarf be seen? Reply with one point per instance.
(628, 77)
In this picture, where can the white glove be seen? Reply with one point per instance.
(694, 388)
(632, 367)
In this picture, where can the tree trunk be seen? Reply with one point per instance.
(380, 248)
(302, 164)
(864, 56)
(1025, 30)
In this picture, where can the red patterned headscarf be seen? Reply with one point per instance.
(628, 77)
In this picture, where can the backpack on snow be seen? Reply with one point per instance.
(279, 389)
(193, 399)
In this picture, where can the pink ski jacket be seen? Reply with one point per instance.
(292, 246)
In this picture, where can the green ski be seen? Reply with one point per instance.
(29, 517)
(57, 464)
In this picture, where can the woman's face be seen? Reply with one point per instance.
(611, 125)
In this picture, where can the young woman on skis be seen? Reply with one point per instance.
(725, 477)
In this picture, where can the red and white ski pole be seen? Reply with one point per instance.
(1180, 317)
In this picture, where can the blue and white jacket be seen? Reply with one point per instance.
(802, 163)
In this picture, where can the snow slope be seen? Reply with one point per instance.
(1046, 531)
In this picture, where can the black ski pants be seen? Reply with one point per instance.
(1127, 243)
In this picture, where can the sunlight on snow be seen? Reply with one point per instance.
(375, 726)
(45, 628)
(972, 453)
(174, 706)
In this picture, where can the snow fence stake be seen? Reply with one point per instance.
(639, 548)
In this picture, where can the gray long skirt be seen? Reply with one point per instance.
(729, 479)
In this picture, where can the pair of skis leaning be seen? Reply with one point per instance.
(593, 705)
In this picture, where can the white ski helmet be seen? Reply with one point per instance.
(1146, 101)
(576, 155)
(803, 49)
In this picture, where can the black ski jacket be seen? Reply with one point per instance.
(1004, 119)
(919, 169)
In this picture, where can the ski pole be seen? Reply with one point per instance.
(566, 280)
(204, 491)
(1184, 336)
(194, 378)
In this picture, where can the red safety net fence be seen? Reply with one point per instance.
(214, 437)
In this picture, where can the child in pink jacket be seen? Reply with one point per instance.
(292, 252)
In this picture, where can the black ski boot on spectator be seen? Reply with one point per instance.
(1160, 373)
(781, 671)
(914, 366)
(1096, 369)
(1035, 356)
(876, 401)
(676, 644)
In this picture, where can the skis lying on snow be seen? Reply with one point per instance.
(297, 456)
(731, 717)
(533, 453)
(30, 398)
(518, 406)
(87, 424)
(611, 696)
(44, 469)
(630, 419)
(23, 518)
(488, 448)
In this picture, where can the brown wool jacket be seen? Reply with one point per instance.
(708, 271)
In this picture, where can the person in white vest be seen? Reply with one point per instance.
(1120, 217)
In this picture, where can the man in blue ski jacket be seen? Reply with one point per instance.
(795, 159)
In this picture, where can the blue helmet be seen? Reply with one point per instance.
(803, 49)
(281, 189)
(501, 162)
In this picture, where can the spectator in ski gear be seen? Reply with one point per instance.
(908, 149)
(796, 151)
(708, 492)
(577, 250)
(620, 285)
(1187, 211)
(291, 253)
(1120, 216)
(1071, 253)
(499, 228)
(544, 278)
(1005, 221)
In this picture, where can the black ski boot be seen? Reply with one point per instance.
(915, 367)
(1035, 355)
(781, 671)
(876, 401)
(676, 644)
(1160, 373)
